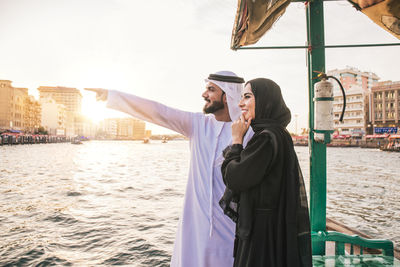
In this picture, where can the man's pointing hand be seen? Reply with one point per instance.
(101, 94)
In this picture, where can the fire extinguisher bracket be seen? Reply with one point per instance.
(323, 98)
(324, 131)
(323, 136)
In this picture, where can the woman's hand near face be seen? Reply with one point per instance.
(239, 129)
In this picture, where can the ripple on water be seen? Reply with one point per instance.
(73, 194)
(139, 252)
(60, 218)
(38, 256)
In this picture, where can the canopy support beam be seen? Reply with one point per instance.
(325, 46)
(316, 62)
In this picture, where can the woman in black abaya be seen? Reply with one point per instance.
(265, 192)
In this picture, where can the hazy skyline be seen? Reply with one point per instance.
(163, 50)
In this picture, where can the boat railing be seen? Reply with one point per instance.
(352, 250)
(354, 243)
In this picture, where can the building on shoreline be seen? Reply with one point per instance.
(18, 110)
(71, 98)
(122, 128)
(351, 76)
(53, 116)
(130, 128)
(385, 107)
(108, 128)
(354, 117)
(357, 85)
(32, 114)
(84, 127)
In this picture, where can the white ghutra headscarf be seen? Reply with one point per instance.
(232, 85)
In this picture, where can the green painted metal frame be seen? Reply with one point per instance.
(318, 171)
(325, 46)
(355, 260)
(316, 62)
(341, 239)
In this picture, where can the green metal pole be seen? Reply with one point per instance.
(316, 62)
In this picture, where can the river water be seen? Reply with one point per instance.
(118, 202)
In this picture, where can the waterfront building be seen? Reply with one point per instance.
(354, 117)
(130, 128)
(84, 127)
(147, 133)
(357, 85)
(138, 129)
(108, 128)
(71, 98)
(12, 106)
(54, 116)
(351, 76)
(385, 104)
(32, 115)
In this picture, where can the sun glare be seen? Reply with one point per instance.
(95, 111)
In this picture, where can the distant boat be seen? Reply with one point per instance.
(391, 147)
(76, 142)
(393, 144)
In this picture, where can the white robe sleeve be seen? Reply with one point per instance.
(151, 111)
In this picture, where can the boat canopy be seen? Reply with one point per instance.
(385, 13)
(255, 18)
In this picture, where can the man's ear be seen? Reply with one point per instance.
(224, 99)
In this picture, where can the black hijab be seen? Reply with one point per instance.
(270, 108)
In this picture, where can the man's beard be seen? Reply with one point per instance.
(214, 107)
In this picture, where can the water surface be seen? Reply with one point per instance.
(118, 202)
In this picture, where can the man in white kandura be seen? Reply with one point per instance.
(205, 235)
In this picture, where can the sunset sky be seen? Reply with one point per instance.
(163, 50)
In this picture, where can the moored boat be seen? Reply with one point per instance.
(393, 144)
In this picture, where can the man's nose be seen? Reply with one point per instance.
(204, 94)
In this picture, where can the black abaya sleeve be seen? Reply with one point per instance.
(243, 169)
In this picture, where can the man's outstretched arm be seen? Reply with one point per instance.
(147, 110)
